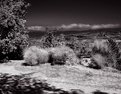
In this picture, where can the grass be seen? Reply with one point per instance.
(63, 79)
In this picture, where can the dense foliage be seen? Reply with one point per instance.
(104, 52)
(13, 34)
(80, 47)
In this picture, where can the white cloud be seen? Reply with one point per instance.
(71, 26)
(37, 28)
(75, 26)
(105, 26)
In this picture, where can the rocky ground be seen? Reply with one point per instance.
(79, 79)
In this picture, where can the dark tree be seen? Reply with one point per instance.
(13, 34)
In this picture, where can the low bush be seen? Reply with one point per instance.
(64, 55)
(81, 47)
(35, 55)
(106, 53)
(54, 55)
(100, 60)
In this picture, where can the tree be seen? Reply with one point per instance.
(13, 34)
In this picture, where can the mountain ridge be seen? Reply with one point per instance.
(76, 27)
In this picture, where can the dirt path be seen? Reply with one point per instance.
(68, 77)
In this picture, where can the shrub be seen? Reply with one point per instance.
(35, 55)
(80, 47)
(59, 40)
(13, 35)
(100, 60)
(50, 40)
(46, 41)
(64, 55)
(55, 55)
(84, 49)
(106, 53)
(100, 46)
(100, 52)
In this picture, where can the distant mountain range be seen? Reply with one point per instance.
(79, 30)
(74, 27)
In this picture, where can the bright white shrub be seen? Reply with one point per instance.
(101, 45)
(63, 54)
(100, 60)
(55, 55)
(106, 53)
(35, 55)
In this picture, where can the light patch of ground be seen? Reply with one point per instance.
(69, 77)
(11, 68)
(8, 69)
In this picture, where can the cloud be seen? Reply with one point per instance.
(104, 26)
(87, 26)
(75, 26)
(36, 28)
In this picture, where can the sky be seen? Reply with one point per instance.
(58, 12)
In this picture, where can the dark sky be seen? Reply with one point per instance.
(58, 12)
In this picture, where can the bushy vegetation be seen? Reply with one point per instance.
(54, 55)
(50, 40)
(63, 55)
(106, 53)
(13, 34)
(35, 55)
(80, 47)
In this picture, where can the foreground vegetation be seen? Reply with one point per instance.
(13, 33)
(104, 52)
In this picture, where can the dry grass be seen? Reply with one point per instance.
(73, 77)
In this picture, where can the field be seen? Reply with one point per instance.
(68, 78)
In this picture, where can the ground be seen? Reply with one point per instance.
(69, 77)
